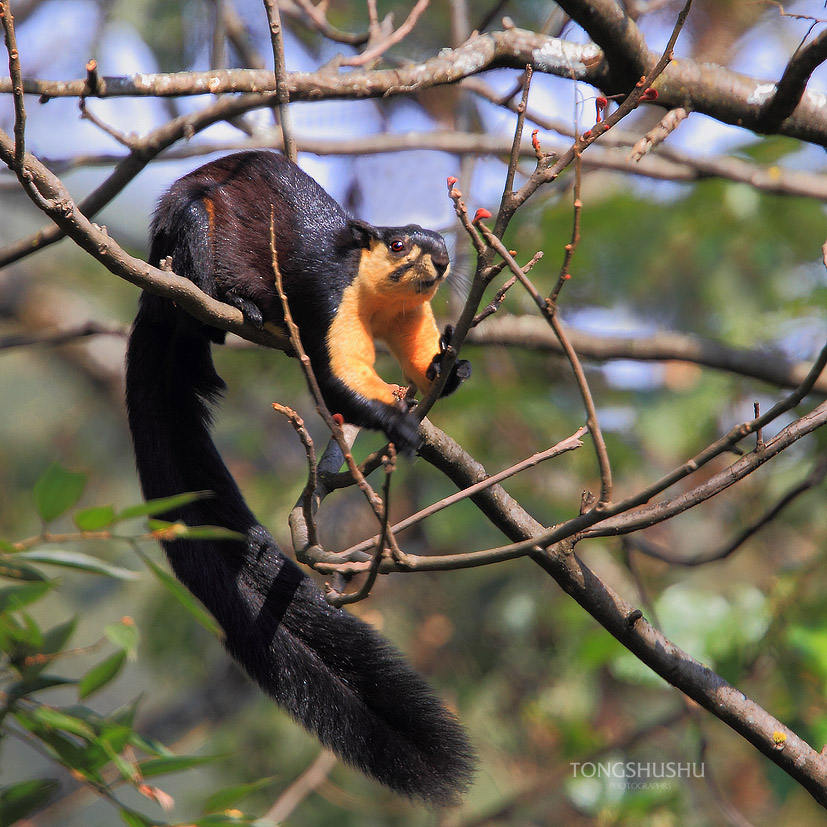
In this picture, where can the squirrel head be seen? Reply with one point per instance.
(404, 262)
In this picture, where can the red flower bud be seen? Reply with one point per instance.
(480, 214)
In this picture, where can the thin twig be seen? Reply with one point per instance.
(335, 427)
(298, 791)
(16, 77)
(280, 72)
(659, 133)
(571, 443)
(61, 337)
(522, 106)
(304, 360)
(18, 162)
(812, 480)
(339, 599)
(379, 49)
(312, 470)
(564, 274)
(551, 317)
(129, 141)
(321, 24)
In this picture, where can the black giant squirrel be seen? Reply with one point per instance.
(347, 283)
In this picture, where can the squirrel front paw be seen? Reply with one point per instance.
(459, 372)
(402, 429)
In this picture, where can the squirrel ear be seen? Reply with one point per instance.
(361, 233)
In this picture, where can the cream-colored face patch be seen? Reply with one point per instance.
(400, 277)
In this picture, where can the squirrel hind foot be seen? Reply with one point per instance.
(251, 311)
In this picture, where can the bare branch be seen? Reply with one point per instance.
(764, 364)
(378, 49)
(713, 90)
(57, 203)
(547, 309)
(790, 89)
(812, 480)
(280, 72)
(659, 133)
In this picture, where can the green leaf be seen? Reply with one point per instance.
(210, 532)
(159, 506)
(65, 750)
(132, 818)
(23, 798)
(125, 716)
(149, 745)
(123, 766)
(57, 491)
(58, 636)
(12, 568)
(56, 719)
(77, 560)
(6, 546)
(230, 796)
(183, 596)
(175, 763)
(222, 819)
(14, 598)
(181, 531)
(95, 518)
(36, 683)
(123, 635)
(114, 736)
(101, 674)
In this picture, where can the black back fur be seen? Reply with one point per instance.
(330, 671)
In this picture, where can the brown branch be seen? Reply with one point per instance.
(61, 337)
(128, 141)
(383, 540)
(55, 200)
(771, 737)
(318, 21)
(812, 480)
(280, 73)
(623, 516)
(569, 444)
(378, 49)
(549, 314)
(666, 164)
(313, 777)
(564, 275)
(764, 364)
(620, 619)
(790, 89)
(659, 133)
(16, 83)
(650, 515)
(307, 496)
(617, 35)
(713, 90)
(508, 187)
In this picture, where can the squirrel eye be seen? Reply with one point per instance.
(397, 245)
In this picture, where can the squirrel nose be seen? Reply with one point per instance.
(441, 261)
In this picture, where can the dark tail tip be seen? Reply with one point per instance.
(343, 681)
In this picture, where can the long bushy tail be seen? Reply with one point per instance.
(329, 670)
